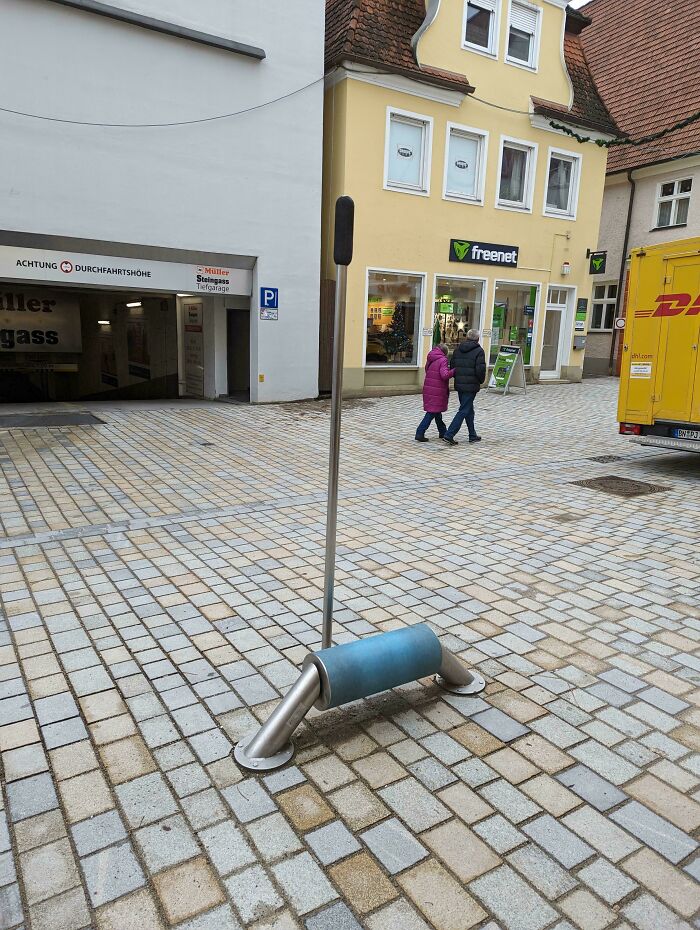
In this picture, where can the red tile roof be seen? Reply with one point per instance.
(379, 33)
(645, 58)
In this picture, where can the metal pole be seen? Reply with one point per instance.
(334, 457)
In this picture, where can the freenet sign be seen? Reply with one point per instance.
(483, 253)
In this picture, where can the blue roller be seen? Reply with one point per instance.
(376, 663)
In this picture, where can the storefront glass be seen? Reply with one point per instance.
(393, 318)
(514, 318)
(458, 303)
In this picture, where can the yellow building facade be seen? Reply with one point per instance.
(472, 210)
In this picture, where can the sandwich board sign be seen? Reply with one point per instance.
(508, 370)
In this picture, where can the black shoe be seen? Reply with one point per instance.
(475, 439)
(421, 439)
(450, 441)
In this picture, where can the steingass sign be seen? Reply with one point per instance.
(483, 253)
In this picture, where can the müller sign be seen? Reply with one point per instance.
(483, 253)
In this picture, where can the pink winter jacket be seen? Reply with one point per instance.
(436, 387)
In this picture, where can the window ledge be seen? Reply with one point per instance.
(555, 215)
(455, 198)
(405, 190)
(593, 332)
(513, 207)
(664, 228)
(467, 47)
(395, 366)
(521, 64)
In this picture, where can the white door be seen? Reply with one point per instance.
(554, 328)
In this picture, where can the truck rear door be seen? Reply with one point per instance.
(641, 346)
(676, 389)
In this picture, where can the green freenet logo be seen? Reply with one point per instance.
(461, 249)
(597, 263)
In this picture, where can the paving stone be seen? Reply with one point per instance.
(332, 842)
(441, 900)
(394, 846)
(337, 917)
(48, 870)
(511, 765)
(85, 796)
(10, 907)
(654, 831)
(559, 842)
(662, 700)
(273, 837)
(515, 904)
(600, 831)
(204, 809)
(666, 801)
(329, 773)
(414, 804)
(98, 832)
(287, 778)
(669, 884)
(499, 834)
(221, 918)
(134, 912)
(606, 881)
(248, 800)
(605, 762)
(592, 788)
(431, 773)
(361, 882)
(31, 796)
(39, 830)
(188, 889)
(63, 733)
(67, 911)
(646, 913)
(24, 761)
(166, 843)
(379, 769)
(548, 877)
(111, 873)
(228, 849)
(542, 753)
(507, 799)
(475, 772)
(500, 725)
(253, 893)
(146, 800)
(57, 707)
(586, 911)
(399, 915)
(461, 851)
(444, 748)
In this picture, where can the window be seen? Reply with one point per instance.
(561, 194)
(458, 303)
(407, 165)
(481, 26)
(516, 172)
(393, 318)
(513, 321)
(603, 312)
(673, 202)
(523, 34)
(465, 157)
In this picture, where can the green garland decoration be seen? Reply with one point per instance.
(609, 143)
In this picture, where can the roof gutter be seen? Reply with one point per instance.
(423, 77)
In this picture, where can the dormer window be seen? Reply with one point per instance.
(523, 34)
(481, 26)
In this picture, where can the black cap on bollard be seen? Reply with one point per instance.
(344, 226)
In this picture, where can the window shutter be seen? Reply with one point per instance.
(524, 18)
(489, 5)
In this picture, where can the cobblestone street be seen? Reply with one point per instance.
(160, 583)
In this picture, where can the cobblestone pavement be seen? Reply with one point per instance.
(160, 581)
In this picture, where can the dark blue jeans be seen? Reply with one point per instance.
(427, 420)
(465, 412)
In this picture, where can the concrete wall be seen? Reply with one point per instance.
(248, 186)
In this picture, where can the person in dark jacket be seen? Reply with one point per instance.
(469, 363)
(436, 391)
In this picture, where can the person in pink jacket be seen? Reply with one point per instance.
(436, 391)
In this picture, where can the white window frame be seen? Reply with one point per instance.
(570, 213)
(463, 277)
(533, 65)
(372, 269)
(605, 301)
(426, 155)
(532, 147)
(483, 139)
(674, 198)
(494, 7)
(536, 347)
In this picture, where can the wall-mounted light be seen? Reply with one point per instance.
(103, 322)
(184, 295)
(566, 268)
(136, 303)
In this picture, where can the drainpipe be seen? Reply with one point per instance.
(623, 262)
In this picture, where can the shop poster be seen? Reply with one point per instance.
(139, 354)
(194, 348)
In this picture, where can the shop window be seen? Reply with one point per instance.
(603, 309)
(393, 318)
(481, 26)
(523, 34)
(561, 194)
(464, 161)
(513, 321)
(516, 173)
(408, 153)
(672, 203)
(458, 303)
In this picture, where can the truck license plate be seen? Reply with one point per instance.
(687, 433)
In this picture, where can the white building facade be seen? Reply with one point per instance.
(160, 198)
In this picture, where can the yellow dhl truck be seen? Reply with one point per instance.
(659, 401)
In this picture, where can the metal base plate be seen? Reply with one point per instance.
(474, 687)
(261, 765)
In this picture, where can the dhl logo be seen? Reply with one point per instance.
(672, 305)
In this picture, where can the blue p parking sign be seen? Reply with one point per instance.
(269, 298)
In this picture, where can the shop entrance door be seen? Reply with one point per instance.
(554, 316)
(238, 337)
